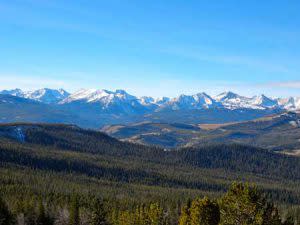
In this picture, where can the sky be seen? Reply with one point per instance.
(155, 48)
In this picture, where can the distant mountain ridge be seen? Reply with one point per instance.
(45, 95)
(106, 99)
(96, 108)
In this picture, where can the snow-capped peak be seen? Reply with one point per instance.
(263, 101)
(197, 101)
(15, 92)
(227, 96)
(115, 102)
(124, 95)
(87, 95)
(121, 99)
(161, 100)
(45, 95)
(291, 103)
(146, 100)
(203, 99)
(103, 96)
(232, 100)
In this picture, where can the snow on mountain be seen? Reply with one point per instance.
(227, 96)
(297, 103)
(113, 101)
(14, 92)
(145, 100)
(203, 100)
(161, 100)
(118, 101)
(45, 95)
(197, 101)
(291, 103)
(102, 96)
(231, 100)
(263, 102)
(86, 95)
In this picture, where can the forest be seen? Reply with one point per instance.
(241, 204)
(61, 174)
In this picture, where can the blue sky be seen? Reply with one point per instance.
(160, 47)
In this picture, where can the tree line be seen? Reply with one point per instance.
(242, 204)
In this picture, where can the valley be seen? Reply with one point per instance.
(278, 132)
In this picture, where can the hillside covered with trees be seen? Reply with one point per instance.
(64, 170)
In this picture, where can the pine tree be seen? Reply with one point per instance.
(42, 217)
(114, 217)
(289, 221)
(30, 216)
(204, 212)
(6, 217)
(125, 218)
(270, 215)
(139, 215)
(99, 214)
(74, 218)
(185, 218)
(244, 204)
(155, 214)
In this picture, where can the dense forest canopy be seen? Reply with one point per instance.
(62, 170)
(241, 204)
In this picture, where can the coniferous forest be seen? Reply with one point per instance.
(60, 174)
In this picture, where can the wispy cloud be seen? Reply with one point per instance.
(285, 84)
(10, 81)
(197, 54)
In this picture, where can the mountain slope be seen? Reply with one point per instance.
(18, 109)
(186, 102)
(118, 102)
(231, 100)
(97, 108)
(45, 95)
(167, 135)
(120, 169)
(121, 98)
(278, 132)
(48, 96)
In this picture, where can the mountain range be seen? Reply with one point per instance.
(95, 108)
(109, 99)
(45, 95)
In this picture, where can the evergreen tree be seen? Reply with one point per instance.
(125, 218)
(30, 216)
(244, 204)
(74, 218)
(271, 215)
(204, 212)
(42, 217)
(289, 221)
(140, 215)
(155, 214)
(114, 217)
(99, 214)
(185, 217)
(6, 217)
